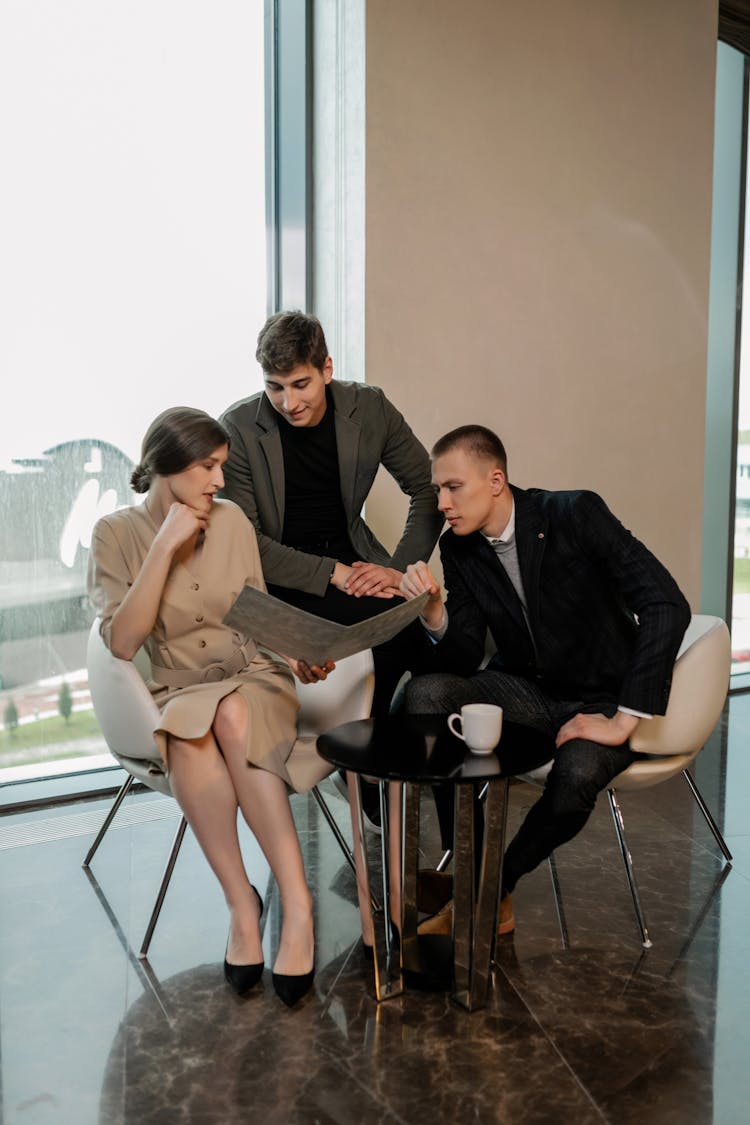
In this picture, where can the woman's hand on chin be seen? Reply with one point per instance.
(181, 524)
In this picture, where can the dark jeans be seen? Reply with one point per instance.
(580, 770)
(391, 659)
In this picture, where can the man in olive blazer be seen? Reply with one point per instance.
(586, 623)
(370, 431)
(303, 457)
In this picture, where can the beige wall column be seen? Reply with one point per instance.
(538, 205)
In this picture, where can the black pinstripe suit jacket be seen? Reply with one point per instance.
(606, 617)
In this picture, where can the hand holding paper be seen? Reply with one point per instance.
(310, 673)
(285, 629)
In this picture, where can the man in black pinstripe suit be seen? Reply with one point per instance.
(585, 620)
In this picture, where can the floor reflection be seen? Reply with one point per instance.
(589, 1031)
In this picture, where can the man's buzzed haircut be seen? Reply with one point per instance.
(290, 339)
(476, 440)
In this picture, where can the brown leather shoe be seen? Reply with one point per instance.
(506, 923)
(440, 923)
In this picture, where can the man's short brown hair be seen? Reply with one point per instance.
(476, 440)
(290, 339)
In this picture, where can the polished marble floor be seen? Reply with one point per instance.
(580, 1031)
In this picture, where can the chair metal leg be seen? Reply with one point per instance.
(163, 888)
(122, 794)
(339, 837)
(627, 860)
(144, 972)
(345, 849)
(445, 859)
(718, 881)
(707, 815)
(562, 922)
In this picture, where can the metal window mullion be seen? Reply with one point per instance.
(289, 152)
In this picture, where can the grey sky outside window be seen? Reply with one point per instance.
(134, 277)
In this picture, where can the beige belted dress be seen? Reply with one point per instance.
(196, 659)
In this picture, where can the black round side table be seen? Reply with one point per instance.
(421, 750)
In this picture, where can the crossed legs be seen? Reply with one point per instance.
(580, 770)
(211, 778)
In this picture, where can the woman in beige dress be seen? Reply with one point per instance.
(163, 574)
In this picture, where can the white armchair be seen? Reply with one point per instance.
(673, 741)
(128, 715)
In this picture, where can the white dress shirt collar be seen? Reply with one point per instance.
(508, 531)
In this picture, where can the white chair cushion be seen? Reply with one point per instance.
(699, 689)
(128, 715)
(125, 711)
(346, 695)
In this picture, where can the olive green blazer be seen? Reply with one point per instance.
(370, 431)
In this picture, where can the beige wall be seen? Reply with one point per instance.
(538, 196)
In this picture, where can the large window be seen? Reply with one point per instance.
(741, 568)
(132, 278)
(732, 71)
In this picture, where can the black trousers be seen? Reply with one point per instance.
(580, 770)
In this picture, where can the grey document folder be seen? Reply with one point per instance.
(294, 632)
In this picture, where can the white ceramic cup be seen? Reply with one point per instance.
(481, 724)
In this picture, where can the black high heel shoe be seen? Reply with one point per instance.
(243, 977)
(292, 987)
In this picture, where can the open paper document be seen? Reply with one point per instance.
(294, 632)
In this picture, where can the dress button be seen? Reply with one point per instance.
(201, 644)
(195, 586)
(199, 618)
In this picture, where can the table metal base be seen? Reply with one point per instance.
(388, 978)
(462, 962)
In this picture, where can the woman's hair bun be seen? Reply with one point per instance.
(140, 479)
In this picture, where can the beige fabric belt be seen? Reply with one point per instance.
(212, 673)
